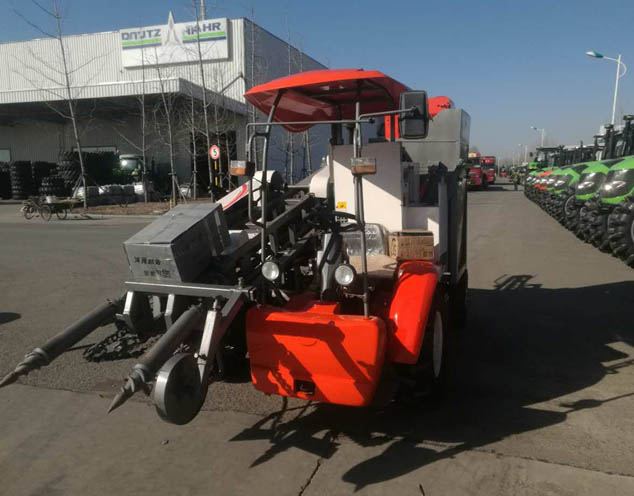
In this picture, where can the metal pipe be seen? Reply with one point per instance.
(264, 187)
(358, 187)
(150, 363)
(58, 344)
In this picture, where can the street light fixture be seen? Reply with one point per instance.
(543, 131)
(619, 75)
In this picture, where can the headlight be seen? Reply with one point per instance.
(585, 184)
(270, 270)
(345, 274)
(613, 186)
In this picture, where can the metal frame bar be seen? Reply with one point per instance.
(190, 289)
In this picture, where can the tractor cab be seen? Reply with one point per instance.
(549, 157)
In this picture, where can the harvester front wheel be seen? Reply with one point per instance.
(436, 354)
(429, 377)
(621, 231)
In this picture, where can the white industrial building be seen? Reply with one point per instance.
(110, 72)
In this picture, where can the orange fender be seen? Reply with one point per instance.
(409, 310)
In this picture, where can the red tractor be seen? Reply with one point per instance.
(322, 286)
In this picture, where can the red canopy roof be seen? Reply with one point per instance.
(328, 94)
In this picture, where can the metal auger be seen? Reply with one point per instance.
(149, 364)
(102, 315)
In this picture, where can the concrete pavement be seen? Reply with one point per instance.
(542, 402)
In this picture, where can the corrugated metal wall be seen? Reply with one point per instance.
(32, 69)
(268, 57)
(31, 73)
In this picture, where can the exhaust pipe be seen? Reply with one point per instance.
(149, 364)
(40, 357)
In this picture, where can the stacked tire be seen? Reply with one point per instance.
(69, 170)
(5, 182)
(53, 186)
(40, 170)
(22, 184)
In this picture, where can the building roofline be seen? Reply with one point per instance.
(283, 41)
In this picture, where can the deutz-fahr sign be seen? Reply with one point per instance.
(175, 43)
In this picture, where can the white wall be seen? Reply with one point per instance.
(95, 59)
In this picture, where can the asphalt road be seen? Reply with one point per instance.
(542, 403)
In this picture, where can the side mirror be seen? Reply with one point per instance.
(414, 124)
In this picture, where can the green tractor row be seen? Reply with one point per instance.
(593, 198)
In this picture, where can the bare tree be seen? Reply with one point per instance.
(201, 67)
(164, 115)
(65, 73)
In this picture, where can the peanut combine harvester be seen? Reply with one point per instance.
(324, 286)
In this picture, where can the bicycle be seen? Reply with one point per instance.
(34, 206)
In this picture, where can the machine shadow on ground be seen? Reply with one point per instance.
(6, 317)
(524, 345)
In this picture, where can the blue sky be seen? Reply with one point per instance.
(510, 64)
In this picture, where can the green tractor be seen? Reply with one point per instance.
(588, 185)
(614, 192)
(618, 193)
(562, 193)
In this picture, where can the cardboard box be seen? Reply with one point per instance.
(413, 244)
(179, 245)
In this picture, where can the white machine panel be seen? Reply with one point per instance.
(383, 195)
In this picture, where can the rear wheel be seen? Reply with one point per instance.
(61, 214)
(621, 231)
(46, 212)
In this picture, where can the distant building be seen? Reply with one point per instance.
(111, 71)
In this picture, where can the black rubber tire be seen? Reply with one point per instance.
(46, 212)
(429, 379)
(61, 214)
(599, 231)
(621, 231)
(584, 223)
(572, 220)
(562, 202)
(28, 211)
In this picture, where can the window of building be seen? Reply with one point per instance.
(97, 149)
(5, 155)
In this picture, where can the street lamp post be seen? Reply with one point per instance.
(543, 131)
(525, 151)
(619, 75)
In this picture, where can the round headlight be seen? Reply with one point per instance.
(270, 270)
(345, 274)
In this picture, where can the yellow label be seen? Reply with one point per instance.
(342, 205)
